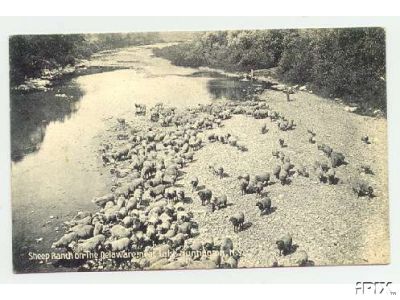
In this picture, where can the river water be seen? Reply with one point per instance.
(55, 135)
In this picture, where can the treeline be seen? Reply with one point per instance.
(343, 62)
(31, 54)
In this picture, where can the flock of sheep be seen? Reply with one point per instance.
(146, 210)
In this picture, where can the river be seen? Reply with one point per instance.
(56, 133)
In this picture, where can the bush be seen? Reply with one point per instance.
(342, 62)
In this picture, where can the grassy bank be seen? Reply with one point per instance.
(347, 63)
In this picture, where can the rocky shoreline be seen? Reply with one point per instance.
(170, 169)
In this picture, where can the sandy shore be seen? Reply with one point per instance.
(327, 221)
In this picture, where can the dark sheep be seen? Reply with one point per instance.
(331, 176)
(205, 196)
(361, 188)
(282, 142)
(264, 129)
(194, 182)
(365, 139)
(243, 186)
(254, 187)
(237, 221)
(337, 159)
(284, 244)
(264, 205)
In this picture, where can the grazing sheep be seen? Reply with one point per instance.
(156, 191)
(264, 205)
(65, 240)
(219, 171)
(311, 140)
(232, 141)
(330, 175)
(264, 129)
(119, 231)
(283, 177)
(83, 231)
(254, 187)
(284, 244)
(302, 171)
(91, 244)
(177, 241)
(282, 143)
(287, 166)
(98, 229)
(170, 194)
(243, 186)
(185, 227)
(232, 262)
(180, 195)
(337, 159)
(362, 188)
(244, 176)
(151, 233)
(241, 147)
(321, 175)
(101, 201)
(312, 132)
(194, 182)
(131, 204)
(237, 221)
(302, 258)
(320, 166)
(276, 171)
(118, 245)
(365, 169)
(263, 178)
(219, 202)
(365, 139)
(208, 244)
(326, 149)
(205, 196)
(226, 246)
(215, 257)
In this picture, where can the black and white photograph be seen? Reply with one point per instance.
(182, 150)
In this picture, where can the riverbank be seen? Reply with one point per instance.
(269, 77)
(329, 222)
(345, 63)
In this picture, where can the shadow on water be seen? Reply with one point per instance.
(32, 112)
(235, 89)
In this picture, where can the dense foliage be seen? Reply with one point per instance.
(30, 54)
(342, 62)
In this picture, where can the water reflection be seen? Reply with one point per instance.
(234, 89)
(32, 112)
